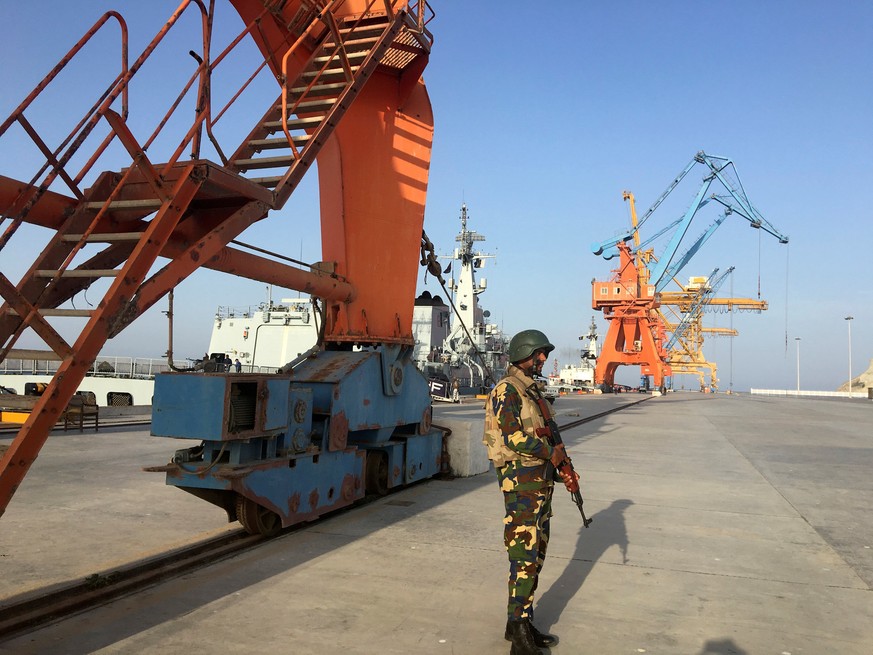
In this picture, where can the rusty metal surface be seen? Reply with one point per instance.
(312, 488)
(190, 211)
(339, 432)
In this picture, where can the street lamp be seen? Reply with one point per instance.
(849, 320)
(797, 339)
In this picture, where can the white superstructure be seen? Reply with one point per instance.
(115, 381)
(462, 345)
(266, 337)
(583, 374)
(262, 338)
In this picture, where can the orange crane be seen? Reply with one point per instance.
(636, 335)
(630, 299)
(347, 93)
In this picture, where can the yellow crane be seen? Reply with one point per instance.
(686, 354)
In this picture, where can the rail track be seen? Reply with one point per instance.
(594, 417)
(33, 609)
(40, 608)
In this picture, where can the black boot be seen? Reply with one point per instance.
(519, 633)
(541, 639)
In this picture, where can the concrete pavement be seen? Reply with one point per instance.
(721, 525)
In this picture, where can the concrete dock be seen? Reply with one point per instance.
(722, 525)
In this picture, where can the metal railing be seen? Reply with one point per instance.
(132, 368)
(810, 394)
(135, 368)
(57, 158)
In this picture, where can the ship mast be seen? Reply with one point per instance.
(462, 345)
(592, 341)
(466, 291)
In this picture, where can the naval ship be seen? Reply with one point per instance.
(456, 345)
(580, 377)
(264, 338)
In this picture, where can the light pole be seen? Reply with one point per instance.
(797, 339)
(849, 323)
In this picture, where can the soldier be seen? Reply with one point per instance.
(525, 465)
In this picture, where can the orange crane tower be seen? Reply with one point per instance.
(636, 335)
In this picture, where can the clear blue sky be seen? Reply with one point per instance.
(545, 113)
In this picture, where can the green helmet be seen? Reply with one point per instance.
(525, 343)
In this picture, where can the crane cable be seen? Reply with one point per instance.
(429, 261)
(787, 257)
(759, 264)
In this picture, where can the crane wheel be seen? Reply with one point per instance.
(426, 421)
(256, 519)
(377, 473)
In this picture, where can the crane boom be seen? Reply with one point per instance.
(630, 300)
(673, 270)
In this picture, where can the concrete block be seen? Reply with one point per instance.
(467, 453)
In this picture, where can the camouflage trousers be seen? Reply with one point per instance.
(526, 537)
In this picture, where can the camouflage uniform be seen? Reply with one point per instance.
(521, 459)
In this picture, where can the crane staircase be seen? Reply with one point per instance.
(187, 211)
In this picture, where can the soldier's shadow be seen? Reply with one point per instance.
(607, 530)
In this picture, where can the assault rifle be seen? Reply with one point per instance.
(565, 468)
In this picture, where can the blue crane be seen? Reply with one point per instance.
(734, 200)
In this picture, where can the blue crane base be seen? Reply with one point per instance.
(275, 450)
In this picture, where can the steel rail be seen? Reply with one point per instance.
(100, 588)
(594, 417)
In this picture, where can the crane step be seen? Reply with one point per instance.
(328, 75)
(374, 27)
(148, 203)
(68, 313)
(357, 57)
(295, 124)
(320, 90)
(315, 106)
(78, 272)
(278, 142)
(264, 162)
(109, 237)
(266, 182)
(359, 42)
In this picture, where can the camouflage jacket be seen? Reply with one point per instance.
(511, 421)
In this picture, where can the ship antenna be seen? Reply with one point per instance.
(429, 259)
